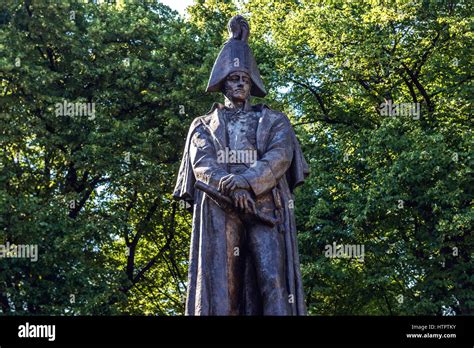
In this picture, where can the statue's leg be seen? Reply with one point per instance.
(267, 247)
(235, 234)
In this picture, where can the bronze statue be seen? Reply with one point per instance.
(240, 166)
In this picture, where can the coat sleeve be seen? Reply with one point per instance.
(203, 157)
(264, 173)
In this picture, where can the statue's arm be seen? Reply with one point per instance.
(203, 158)
(264, 174)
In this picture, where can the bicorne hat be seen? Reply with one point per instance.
(236, 55)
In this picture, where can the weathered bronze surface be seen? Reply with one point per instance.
(244, 256)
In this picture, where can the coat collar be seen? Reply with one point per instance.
(219, 106)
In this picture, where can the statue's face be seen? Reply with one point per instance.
(237, 86)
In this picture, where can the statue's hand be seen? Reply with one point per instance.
(244, 201)
(232, 182)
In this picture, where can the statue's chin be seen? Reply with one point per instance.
(239, 98)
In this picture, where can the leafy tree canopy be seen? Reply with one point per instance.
(92, 186)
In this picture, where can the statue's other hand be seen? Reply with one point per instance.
(232, 182)
(244, 201)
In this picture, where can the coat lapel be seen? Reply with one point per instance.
(217, 128)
